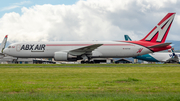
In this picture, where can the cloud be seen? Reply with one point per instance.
(15, 5)
(89, 20)
(22, 3)
(9, 8)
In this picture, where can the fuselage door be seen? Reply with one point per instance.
(18, 47)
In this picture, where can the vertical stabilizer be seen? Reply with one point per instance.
(3, 44)
(127, 38)
(159, 33)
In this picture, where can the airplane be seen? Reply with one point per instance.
(2, 46)
(165, 57)
(160, 57)
(86, 50)
(127, 38)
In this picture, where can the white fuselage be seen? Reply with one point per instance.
(157, 57)
(109, 49)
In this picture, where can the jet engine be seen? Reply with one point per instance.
(64, 56)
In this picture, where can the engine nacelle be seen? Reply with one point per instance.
(1, 56)
(64, 56)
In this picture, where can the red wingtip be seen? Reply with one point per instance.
(6, 36)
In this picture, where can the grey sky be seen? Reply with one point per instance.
(89, 20)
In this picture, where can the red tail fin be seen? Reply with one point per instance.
(160, 32)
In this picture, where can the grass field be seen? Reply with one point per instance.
(99, 82)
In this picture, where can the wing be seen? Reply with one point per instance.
(84, 50)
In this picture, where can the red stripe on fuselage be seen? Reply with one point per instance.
(118, 45)
(68, 44)
(88, 44)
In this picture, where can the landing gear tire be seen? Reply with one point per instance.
(82, 62)
(91, 62)
(87, 62)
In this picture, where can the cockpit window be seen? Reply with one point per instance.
(9, 47)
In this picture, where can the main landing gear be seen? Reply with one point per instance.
(87, 62)
(86, 59)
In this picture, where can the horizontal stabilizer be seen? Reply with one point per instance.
(159, 45)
